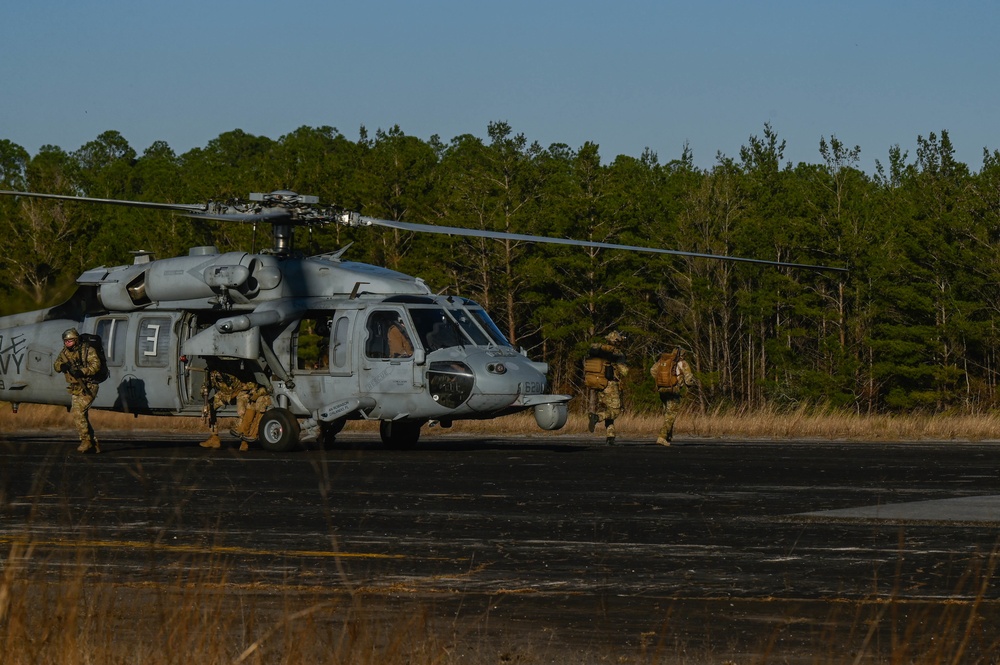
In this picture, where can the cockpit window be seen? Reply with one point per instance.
(436, 329)
(491, 328)
(388, 336)
(468, 324)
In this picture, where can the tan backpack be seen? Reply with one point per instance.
(667, 373)
(594, 373)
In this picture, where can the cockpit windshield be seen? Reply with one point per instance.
(436, 329)
(468, 324)
(487, 323)
(456, 324)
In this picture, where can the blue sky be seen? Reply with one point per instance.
(626, 75)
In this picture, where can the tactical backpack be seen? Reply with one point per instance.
(595, 374)
(95, 342)
(667, 375)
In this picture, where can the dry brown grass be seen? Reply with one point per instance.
(764, 424)
(197, 619)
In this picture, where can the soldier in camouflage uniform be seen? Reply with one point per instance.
(81, 364)
(251, 399)
(399, 342)
(671, 397)
(609, 400)
(251, 403)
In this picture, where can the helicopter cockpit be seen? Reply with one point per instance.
(397, 328)
(441, 323)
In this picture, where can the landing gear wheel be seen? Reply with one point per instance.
(399, 434)
(279, 430)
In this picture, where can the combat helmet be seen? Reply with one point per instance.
(71, 334)
(614, 337)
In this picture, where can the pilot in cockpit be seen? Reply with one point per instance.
(400, 345)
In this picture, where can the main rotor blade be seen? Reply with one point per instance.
(501, 235)
(192, 210)
(215, 211)
(266, 216)
(192, 207)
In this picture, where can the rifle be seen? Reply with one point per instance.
(207, 412)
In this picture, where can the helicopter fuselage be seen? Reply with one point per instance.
(317, 331)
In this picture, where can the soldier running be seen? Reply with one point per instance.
(81, 364)
(609, 399)
(672, 375)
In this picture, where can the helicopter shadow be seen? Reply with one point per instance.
(156, 441)
(453, 445)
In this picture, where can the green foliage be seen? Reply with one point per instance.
(915, 325)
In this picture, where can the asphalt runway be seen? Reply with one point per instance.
(550, 548)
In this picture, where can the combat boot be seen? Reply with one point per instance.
(593, 418)
(85, 446)
(663, 442)
(212, 442)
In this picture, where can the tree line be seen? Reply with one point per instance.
(915, 323)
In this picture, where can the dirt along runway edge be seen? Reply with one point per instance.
(542, 545)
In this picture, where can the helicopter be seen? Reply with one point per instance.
(315, 330)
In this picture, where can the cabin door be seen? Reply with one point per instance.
(142, 352)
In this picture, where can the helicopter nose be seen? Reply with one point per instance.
(501, 381)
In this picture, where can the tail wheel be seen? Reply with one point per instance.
(400, 434)
(279, 430)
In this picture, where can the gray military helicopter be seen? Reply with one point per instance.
(316, 330)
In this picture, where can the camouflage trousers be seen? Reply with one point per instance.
(609, 406)
(671, 407)
(79, 412)
(249, 410)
